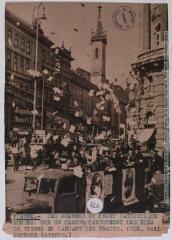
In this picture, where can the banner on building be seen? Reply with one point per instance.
(128, 187)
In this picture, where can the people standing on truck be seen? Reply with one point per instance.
(138, 154)
(130, 157)
(117, 158)
(105, 162)
(81, 157)
(57, 159)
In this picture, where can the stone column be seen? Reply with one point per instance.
(159, 109)
(146, 29)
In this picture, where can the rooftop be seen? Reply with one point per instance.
(46, 172)
(26, 27)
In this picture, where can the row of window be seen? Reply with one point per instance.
(17, 62)
(18, 41)
(24, 45)
(47, 58)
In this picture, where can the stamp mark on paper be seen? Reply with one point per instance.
(123, 18)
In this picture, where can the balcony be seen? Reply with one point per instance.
(151, 55)
(101, 36)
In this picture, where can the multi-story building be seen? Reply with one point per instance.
(151, 75)
(98, 77)
(63, 95)
(75, 105)
(20, 42)
(77, 84)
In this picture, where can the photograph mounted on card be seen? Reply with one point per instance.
(86, 119)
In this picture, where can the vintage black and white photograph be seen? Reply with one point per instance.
(86, 108)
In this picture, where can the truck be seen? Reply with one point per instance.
(55, 190)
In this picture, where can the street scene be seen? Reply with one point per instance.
(86, 113)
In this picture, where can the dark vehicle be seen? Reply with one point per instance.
(60, 191)
(50, 191)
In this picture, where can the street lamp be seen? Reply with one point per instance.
(37, 21)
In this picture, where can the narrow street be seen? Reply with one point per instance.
(14, 185)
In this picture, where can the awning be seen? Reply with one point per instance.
(146, 134)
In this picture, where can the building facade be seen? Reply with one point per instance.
(74, 106)
(20, 41)
(63, 94)
(151, 75)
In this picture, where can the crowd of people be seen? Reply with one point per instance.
(90, 155)
(95, 155)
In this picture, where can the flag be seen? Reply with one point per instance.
(94, 112)
(65, 142)
(53, 46)
(12, 77)
(87, 156)
(57, 90)
(105, 86)
(121, 125)
(34, 112)
(109, 132)
(13, 104)
(10, 42)
(77, 114)
(94, 154)
(102, 102)
(55, 137)
(100, 136)
(99, 105)
(45, 71)
(100, 93)
(102, 98)
(88, 120)
(91, 93)
(118, 109)
(115, 99)
(54, 113)
(57, 98)
(75, 103)
(56, 51)
(101, 108)
(81, 139)
(33, 73)
(48, 136)
(50, 79)
(72, 128)
(106, 119)
(107, 97)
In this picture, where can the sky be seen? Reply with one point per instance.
(122, 47)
